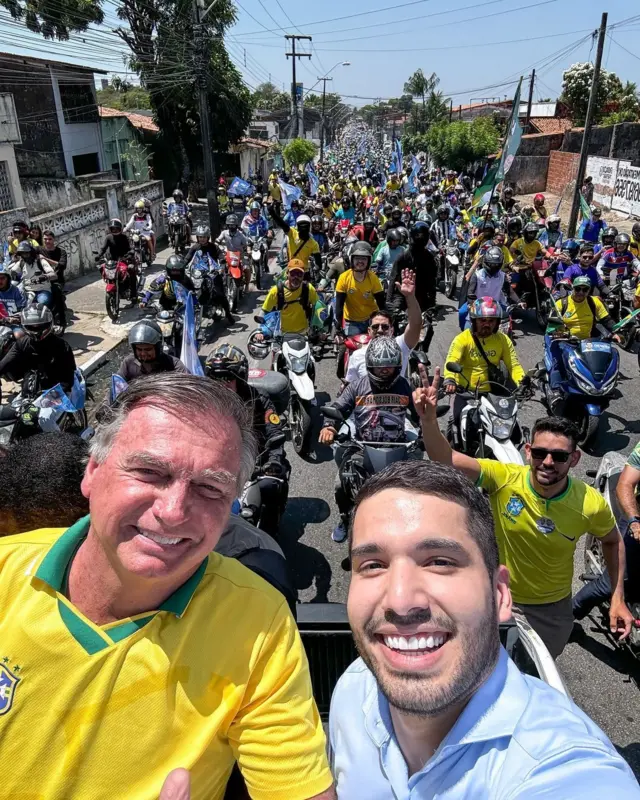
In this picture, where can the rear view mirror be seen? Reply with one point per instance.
(453, 367)
(332, 413)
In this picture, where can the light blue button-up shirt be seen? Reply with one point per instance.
(516, 739)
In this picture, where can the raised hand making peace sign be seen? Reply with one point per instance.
(425, 397)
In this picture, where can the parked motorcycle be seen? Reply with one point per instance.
(591, 368)
(489, 426)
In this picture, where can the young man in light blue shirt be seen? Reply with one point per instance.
(435, 708)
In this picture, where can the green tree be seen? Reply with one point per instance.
(298, 152)
(55, 19)
(433, 102)
(612, 96)
(124, 96)
(267, 98)
(458, 144)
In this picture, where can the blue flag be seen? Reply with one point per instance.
(240, 187)
(413, 186)
(314, 181)
(393, 166)
(289, 193)
(398, 150)
(189, 352)
(118, 385)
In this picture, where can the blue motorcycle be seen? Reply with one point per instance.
(589, 370)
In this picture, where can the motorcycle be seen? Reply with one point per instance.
(619, 304)
(605, 481)
(141, 250)
(178, 232)
(291, 355)
(450, 260)
(116, 277)
(234, 278)
(263, 484)
(489, 426)
(591, 369)
(201, 270)
(172, 325)
(259, 257)
(538, 289)
(351, 344)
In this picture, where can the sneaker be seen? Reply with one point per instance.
(339, 534)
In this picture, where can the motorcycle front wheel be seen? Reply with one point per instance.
(588, 429)
(112, 301)
(300, 424)
(450, 283)
(257, 270)
(542, 314)
(232, 293)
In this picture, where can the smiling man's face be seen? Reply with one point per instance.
(161, 499)
(423, 608)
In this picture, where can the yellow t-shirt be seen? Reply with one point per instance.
(359, 302)
(393, 186)
(498, 348)
(216, 674)
(578, 317)
(274, 191)
(338, 191)
(293, 318)
(634, 247)
(13, 245)
(537, 537)
(530, 250)
(299, 250)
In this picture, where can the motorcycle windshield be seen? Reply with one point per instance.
(596, 356)
(504, 407)
(377, 458)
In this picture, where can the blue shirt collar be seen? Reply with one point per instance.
(492, 712)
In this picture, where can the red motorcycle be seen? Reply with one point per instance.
(349, 345)
(234, 279)
(120, 283)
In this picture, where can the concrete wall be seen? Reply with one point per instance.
(45, 195)
(528, 172)
(80, 229)
(7, 154)
(153, 191)
(611, 141)
(7, 218)
(563, 168)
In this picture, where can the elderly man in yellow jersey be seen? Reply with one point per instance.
(131, 653)
(540, 512)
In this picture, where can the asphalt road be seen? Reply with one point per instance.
(595, 672)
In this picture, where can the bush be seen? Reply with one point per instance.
(298, 152)
(459, 144)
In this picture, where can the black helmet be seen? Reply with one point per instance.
(115, 225)
(37, 321)
(227, 362)
(369, 222)
(393, 235)
(232, 221)
(444, 209)
(383, 351)
(609, 234)
(175, 264)
(636, 230)
(316, 222)
(489, 227)
(493, 259)
(147, 331)
(177, 195)
(622, 239)
(530, 231)
(203, 230)
(361, 249)
(419, 231)
(514, 226)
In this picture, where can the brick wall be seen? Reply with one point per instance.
(563, 168)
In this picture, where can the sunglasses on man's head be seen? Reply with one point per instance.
(559, 456)
(383, 326)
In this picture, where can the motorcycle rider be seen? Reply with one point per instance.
(509, 203)
(585, 267)
(418, 258)
(551, 235)
(394, 221)
(11, 295)
(20, 233)
(346, 210)
(147, 356)
(608, 238)
(590, 229)
(223, 203)
(358, 292)
(539, 206)
(229, 364)
(41, 349)
(300, 244)
(142, 224)
(36, 275)
(254, 224)
(579, 314)
(234, 240)
(178, 205)
(484, 353)
(117, 245)
(380, 403)
(390, 251)
(318, 232)
(525, 251)
(204, 245)
(619, 255)
(175, 271)
(489, 280)
(366, 232)
(444, 228)
(634, 244)
(294, 299)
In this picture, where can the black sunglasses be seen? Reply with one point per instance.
(381, 327)
(581, 289)
(558, 456)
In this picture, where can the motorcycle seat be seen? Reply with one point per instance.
(274, 384)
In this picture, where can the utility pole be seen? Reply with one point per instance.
(450, 109)
(299, 126)
(324, 97)
(202, 66)
(530, 101)
(586, 136)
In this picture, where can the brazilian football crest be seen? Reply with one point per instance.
(8, 683)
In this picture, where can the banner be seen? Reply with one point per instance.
(417, 166)
(626, 192)
(398, 149)
(240, 187)
(189, 352)
(289, 193)
(118, 385)
(514, 135)
(604, 172)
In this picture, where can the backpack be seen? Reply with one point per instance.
(303, 299)
(591, 304)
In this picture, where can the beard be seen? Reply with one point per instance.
(426, 696)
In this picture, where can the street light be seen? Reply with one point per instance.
(324, 93)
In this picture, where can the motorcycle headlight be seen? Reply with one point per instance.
(110, 273)
(197, 273)
(299, 365)
(501, 428)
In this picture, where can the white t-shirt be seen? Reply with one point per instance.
(358, 369)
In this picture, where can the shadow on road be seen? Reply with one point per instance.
(82, 343)
(309, 566)
(631, 754)
(319, 452)
(614, 657)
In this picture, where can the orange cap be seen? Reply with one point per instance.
(296, 263)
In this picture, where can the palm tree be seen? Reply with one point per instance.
(419, 85)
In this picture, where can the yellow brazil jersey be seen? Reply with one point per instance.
(13, 245)
(537, 537)
(393, 186)
(338, 191)
(578, 317)
(299, 248)
(634, 247)
(359, 302)
(498, 348)
(216, 674)
(274, 191)
(529, 250)
(293, 318)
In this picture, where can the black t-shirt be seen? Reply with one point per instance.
(53, 357)
(117, 245)
(60, 256)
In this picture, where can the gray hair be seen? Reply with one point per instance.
(191, 395)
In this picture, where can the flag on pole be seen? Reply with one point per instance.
(514, 135)
(240, 187)
(314, 181)
(118, 385)
(289, 193)
(398, 149)
(485, 187)
(417, 166)
(585, 210)
(189, 351)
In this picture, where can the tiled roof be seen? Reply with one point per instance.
(139, 121)
(550, 124)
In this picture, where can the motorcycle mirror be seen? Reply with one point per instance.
(442, 410)
(257, 318)
(422, 357)
(276, 441)
(332, 413)
(591, 473)
(453, 367)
